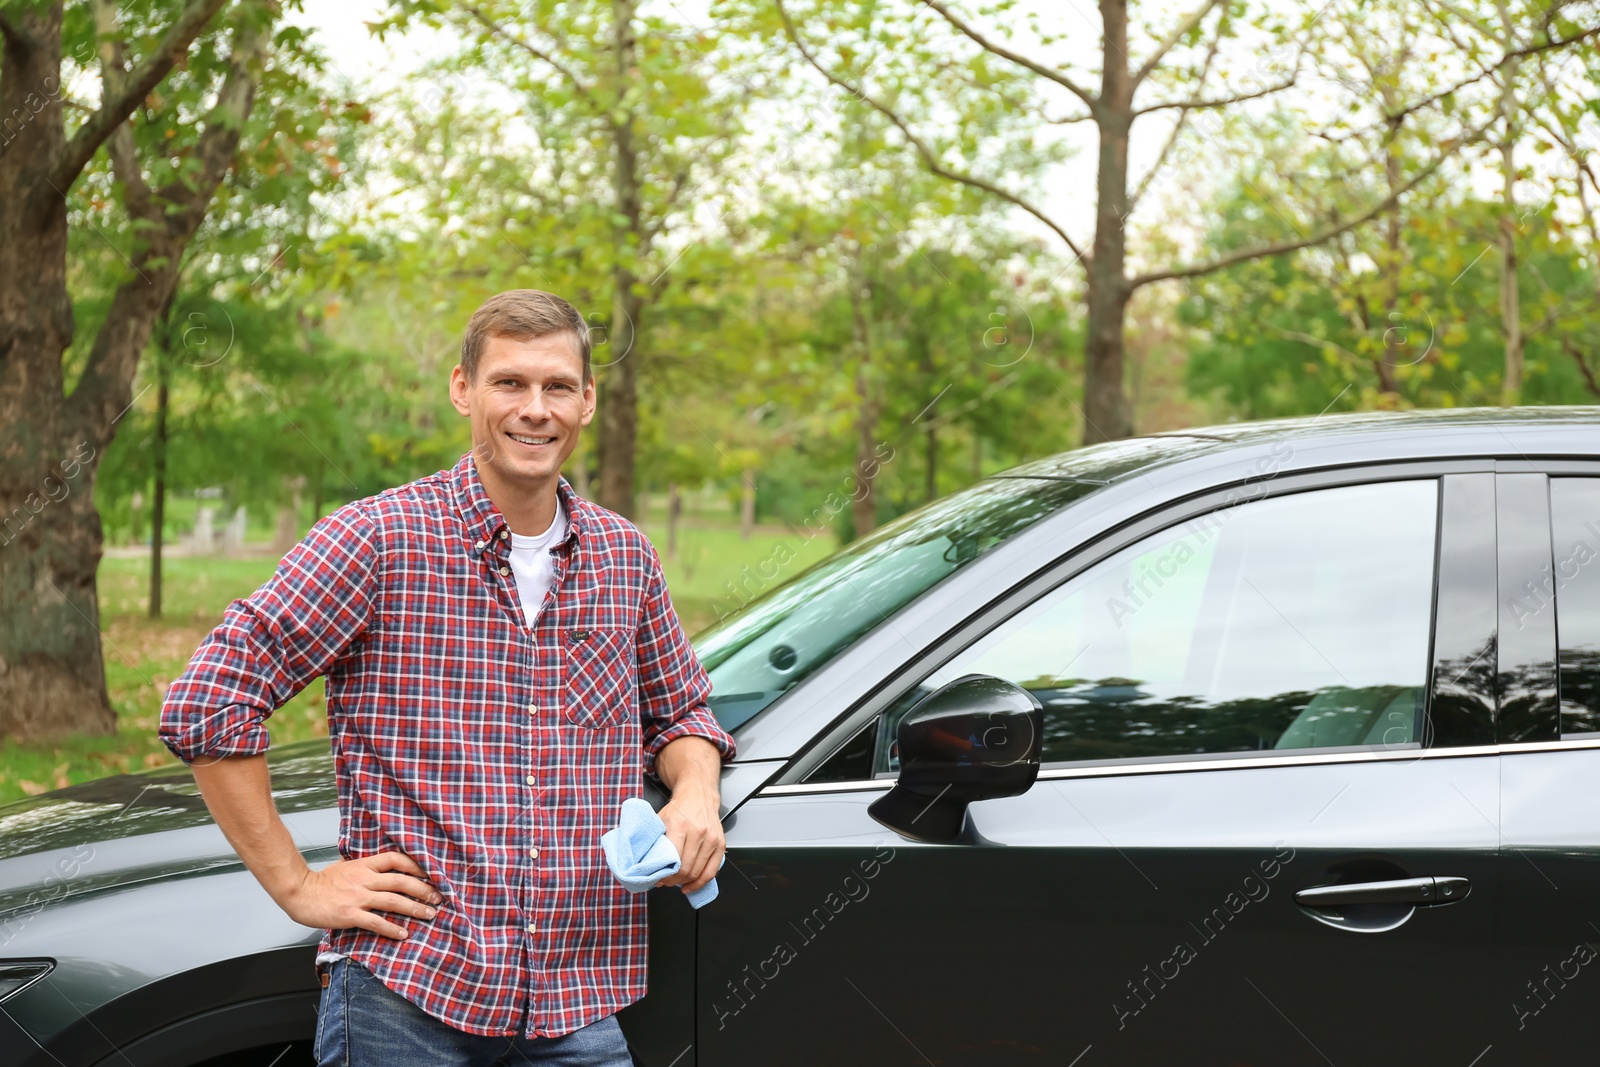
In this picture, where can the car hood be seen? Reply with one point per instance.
(150, 824)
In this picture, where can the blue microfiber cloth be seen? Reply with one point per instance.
(640, 854)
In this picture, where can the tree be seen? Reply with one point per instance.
(1562, 116)
(1534, 36)
(910, 310)
(1396, 314)
(992, 76)
(640, 103)
(50, 437)
(1293, 335)
(240, 387)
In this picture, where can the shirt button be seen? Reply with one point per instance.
(505, 570)
(479, 545)
(530, 779)
(502, 535)
(530, 928)
(533, 709)
(533, 853)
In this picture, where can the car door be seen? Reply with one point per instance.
(1246, 697)
(1550, 595)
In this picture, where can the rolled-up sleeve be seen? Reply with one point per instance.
(273, 643)
(673, 687)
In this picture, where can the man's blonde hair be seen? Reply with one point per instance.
(522, 315)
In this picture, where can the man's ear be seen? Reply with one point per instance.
(458, 390)
(588, 401)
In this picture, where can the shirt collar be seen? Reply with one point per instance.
(485, 525)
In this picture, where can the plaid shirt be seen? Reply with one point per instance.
(493, 754)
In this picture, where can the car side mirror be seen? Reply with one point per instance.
(976, 738)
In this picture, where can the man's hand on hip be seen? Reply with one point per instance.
(349, 893)
(353, 893)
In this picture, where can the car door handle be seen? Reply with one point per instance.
(1418, 892)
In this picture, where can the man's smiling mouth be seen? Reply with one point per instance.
(530, 440)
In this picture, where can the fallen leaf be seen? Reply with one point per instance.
(33, 789)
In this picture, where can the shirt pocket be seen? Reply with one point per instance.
(602, 677)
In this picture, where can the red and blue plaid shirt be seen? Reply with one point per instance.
(493, 754)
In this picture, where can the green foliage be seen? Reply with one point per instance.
(802, 273)
(1296, 334)
(258, 389)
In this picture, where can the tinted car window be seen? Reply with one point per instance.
(780, 637)
(1575, 543)
(853, 761)
(1294, 622)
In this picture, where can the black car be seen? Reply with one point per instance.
(1271, 743)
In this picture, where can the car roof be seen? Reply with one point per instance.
(1491, 428)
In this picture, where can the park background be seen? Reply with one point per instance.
(840, 258)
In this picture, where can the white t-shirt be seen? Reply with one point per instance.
(530, 564)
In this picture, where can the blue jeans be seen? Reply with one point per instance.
(364, 1023)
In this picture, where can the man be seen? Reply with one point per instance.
(502, 659)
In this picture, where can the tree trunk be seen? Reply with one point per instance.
(580, 475)
(159, 457)
(1395, 335)
(52, 679)
(931, 441)
(619, 413)
(1510, 295)
(316, 491)
(288, 525)
(51, 676)
(619, 405)
(747, 506)
(864, 511)
(674, 513)
(1105, 405)
(158, 496)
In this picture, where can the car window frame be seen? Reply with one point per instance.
(1543, 553)
(1523, 547)
(1051, 576)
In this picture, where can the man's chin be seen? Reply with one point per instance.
(515, 463)
(536, 471)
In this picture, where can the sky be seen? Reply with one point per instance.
(340, 26)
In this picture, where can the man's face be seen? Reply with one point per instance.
(527, 405)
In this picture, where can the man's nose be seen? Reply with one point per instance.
(535, 409)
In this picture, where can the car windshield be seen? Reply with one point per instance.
(776, 640)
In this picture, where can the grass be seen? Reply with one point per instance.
(143, 655)
(715, 569)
